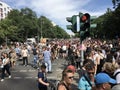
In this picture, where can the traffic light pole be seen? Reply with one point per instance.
(84, 31)
(82, 52)
(80, 23)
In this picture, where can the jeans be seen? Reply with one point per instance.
(7, 68)
(25, 60)
(48, 65)
(35, 58)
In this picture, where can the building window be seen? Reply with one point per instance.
(5, 14)
(1, 15)
(1, 10)
(4, 9)
(0, 4)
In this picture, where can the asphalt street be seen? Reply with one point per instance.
(25, 78)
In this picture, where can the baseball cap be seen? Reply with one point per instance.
(71, 67)
(104, 78)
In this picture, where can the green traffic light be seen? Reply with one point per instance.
(73, 21)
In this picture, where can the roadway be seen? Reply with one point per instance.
(25, 78)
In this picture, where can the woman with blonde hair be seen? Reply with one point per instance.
(13, 58)
(109, 68)
(66, 81)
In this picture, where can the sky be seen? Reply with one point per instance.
(58, 10)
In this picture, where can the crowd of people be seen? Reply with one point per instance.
(100, 69)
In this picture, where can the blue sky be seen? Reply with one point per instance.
(58, 10)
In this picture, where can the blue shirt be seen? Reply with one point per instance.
(17, 50)
(83, 84)
(47, 55)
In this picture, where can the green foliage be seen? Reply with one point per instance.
(108, 25)
(115, 3)
(21, 24)
(7, 29)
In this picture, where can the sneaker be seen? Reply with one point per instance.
(9, 76)
(2, 80)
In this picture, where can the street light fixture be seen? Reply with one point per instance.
(41, 26)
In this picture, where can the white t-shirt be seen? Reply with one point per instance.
(117, 76)
(97, 59)
(64, 48)
(24, 53)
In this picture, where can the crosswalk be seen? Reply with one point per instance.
(32, 74)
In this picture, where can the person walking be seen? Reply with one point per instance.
(35, 55)
(5, 66)
(24, 54)
(42, 79)
(47, 59)
(13, 58)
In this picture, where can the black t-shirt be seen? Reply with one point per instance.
(44, 78)
(34, 51)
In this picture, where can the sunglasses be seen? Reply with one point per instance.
(90, 73)
(71, 77)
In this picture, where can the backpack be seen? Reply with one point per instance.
(53, 84)
(34, 51)
(114, 76)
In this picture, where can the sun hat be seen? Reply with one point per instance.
(71, 67)
(104, 78)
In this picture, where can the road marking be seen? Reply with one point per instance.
(17, 77)
(49, 77)
(36, 77)
(28, 77)
(23, 71)
(56, 64)
(15, 71)
(31, 70)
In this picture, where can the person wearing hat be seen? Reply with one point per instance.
(103, 82)
(71, 67)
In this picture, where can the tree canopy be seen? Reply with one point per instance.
(108, 24)
(24, 23)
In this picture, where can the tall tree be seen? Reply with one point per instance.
(115, 3)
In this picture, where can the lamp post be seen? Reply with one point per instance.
(38, 38)
(41, 27)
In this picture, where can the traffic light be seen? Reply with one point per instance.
(73, 25)
(84, 25)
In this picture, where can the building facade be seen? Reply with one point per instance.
(4, 10)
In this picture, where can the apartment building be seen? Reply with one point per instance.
(4, 10)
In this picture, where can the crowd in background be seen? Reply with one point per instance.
(100, 57)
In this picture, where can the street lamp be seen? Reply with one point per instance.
(41, 27)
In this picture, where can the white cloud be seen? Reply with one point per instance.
(55, 10)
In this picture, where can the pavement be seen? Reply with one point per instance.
(25, 78)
